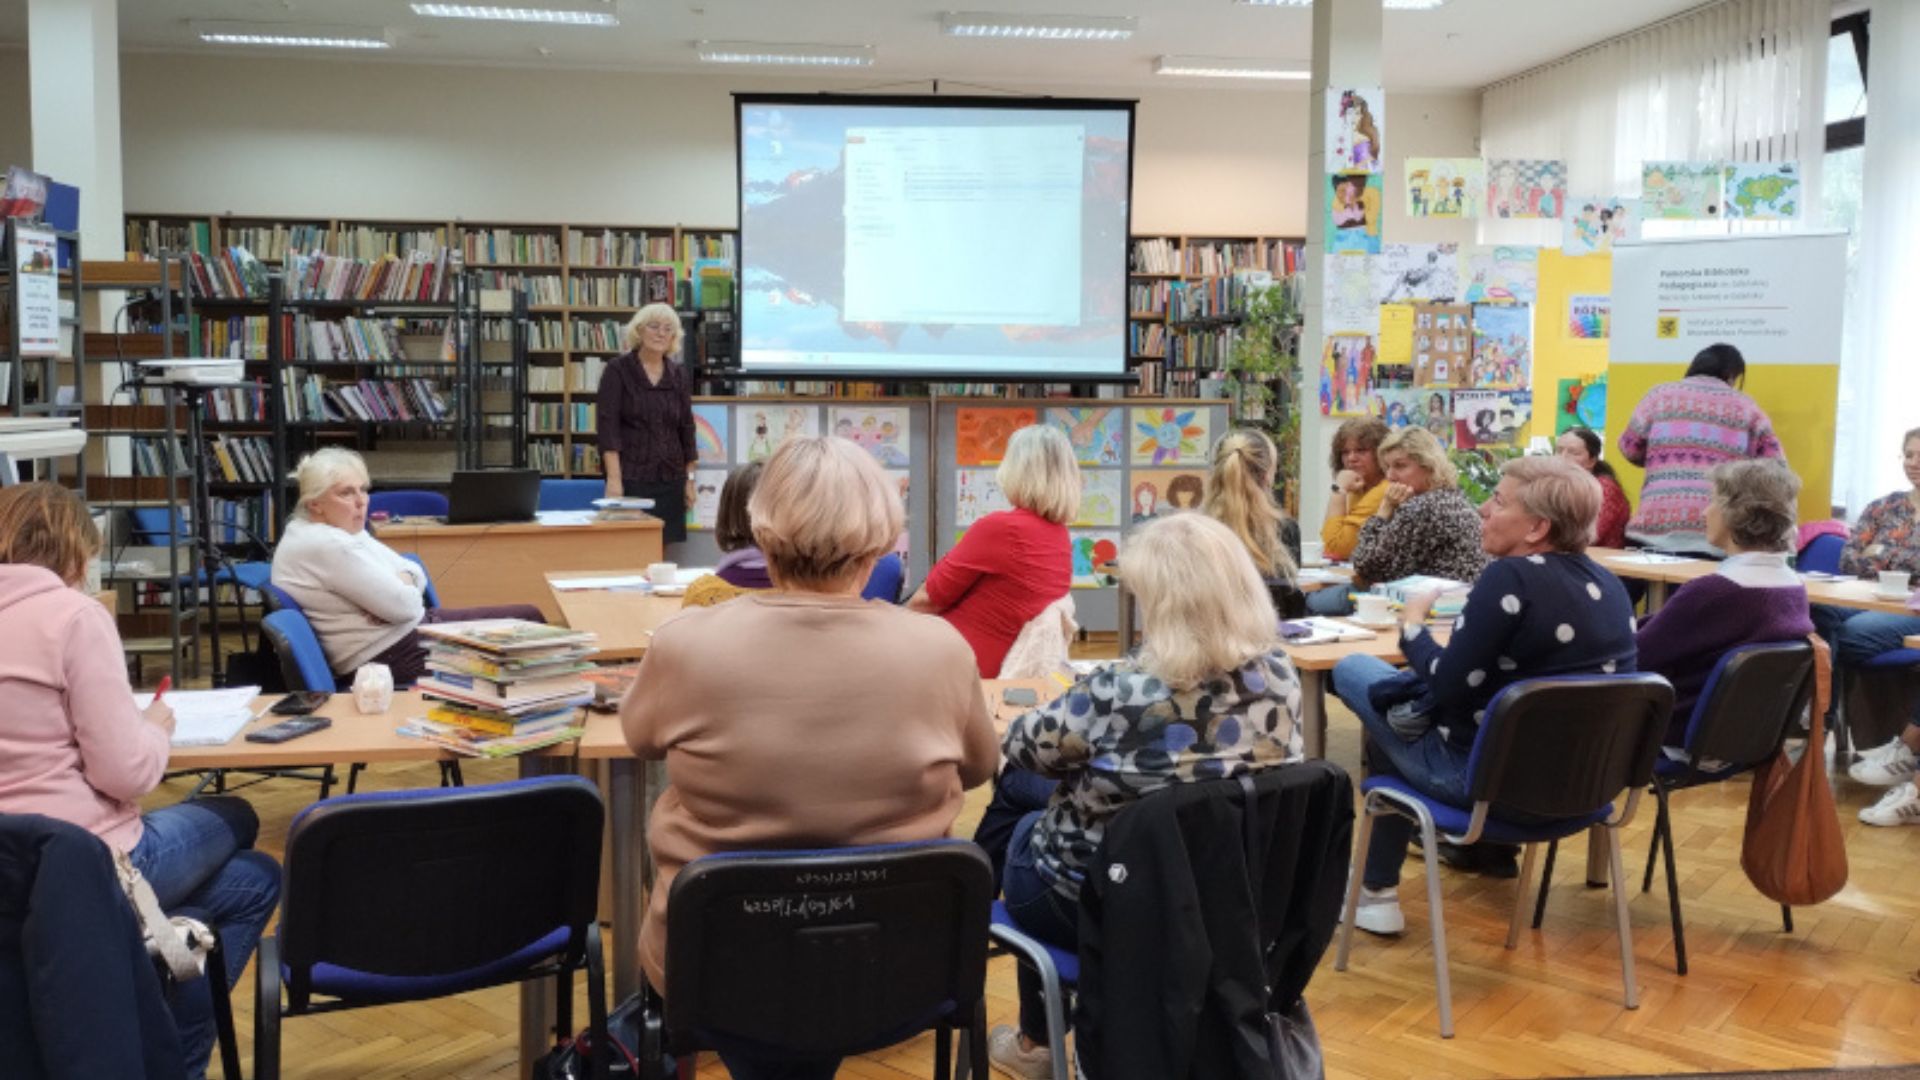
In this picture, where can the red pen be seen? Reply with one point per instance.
(166, 684)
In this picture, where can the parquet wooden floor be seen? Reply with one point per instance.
(1837, 992)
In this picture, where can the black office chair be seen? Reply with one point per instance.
(1751, 702)
(409, 895)
(1548, 761)
(820, 954)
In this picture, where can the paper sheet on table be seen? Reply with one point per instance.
(624, 503)
(1652, 558)
(207, 717)
(621, 581)
(566, 517)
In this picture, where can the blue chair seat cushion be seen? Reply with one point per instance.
(1064, 962)
(364, 986)
(1894, 658)
(1453, 820)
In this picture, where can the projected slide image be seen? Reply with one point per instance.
(928, 240)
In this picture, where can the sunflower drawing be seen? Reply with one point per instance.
(1167, 435)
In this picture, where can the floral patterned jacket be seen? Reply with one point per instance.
(1887, 537)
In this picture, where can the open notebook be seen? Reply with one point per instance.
(207, 717)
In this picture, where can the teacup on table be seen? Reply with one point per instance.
(1372, 608)
(1894, 583)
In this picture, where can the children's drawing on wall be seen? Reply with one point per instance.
(1490, 417)
(1171, 436)
(710, 433)
(1346, 373)
(880, 432)
(1681, 190)
(1581, 402)
(1502, 347)
(1763, 191)
(1092, 550)
(1399, 407)
(1349, 305)
(1590, 318)
(1446, 187)
(976, 494)
(1442, 344)
(764, 427)
(1594, 224)
(1503, 275)
(1525, 188)
(1354, 123)
(1164, 491)
(1101, 499)
(1098, 435)
(1353, 213)
(903, 546)
(704, 511)
(1408, 272)
(980, 435)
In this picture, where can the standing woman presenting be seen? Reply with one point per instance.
(646, 420)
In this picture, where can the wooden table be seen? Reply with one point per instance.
(622, 619)
(1662, 576)
(1125, 598)
(1314, 662)
(484, 565)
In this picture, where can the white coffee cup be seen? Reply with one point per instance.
(1895, 581)
(373, 688)
(1312, 551)
(663, 573)
(1372, 608)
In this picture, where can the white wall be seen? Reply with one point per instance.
(388, 140)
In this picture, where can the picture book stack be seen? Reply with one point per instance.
(499, 687)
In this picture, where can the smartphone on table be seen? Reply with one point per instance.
(300, 703)
(1022, 697)
(286, 730)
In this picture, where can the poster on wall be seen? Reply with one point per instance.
(1092, 550)
(1353, 213)
(762, 428)
(1442, 344)
(1503, 275)
(1777, 297)
(1581, 403)
(710, 433)
(1395, 362)
(1098, 434)
(1346, 374)
(1165, 435)
(1163, 491)
(705, 508)
(1589, 317)
(1349, 306)
(882, 432)
(1355, 120)
(1101, 501)
(976, 494)
(1595, 223)
(35, 255)
(1405, 273)
(1681, 190)
(1763, 191)
(1526, 188)
(1446, 187)
(980, 435)
(1400, 406)
(1502, 347)
(1490, 417)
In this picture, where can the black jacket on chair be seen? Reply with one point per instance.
(1195, 922)
(79, 998)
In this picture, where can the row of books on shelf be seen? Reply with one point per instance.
(541, 289)
(238, 521)
(509, 246)
(1146, 339)
(580, 376)
(228, 274)
(419, 276)
(376, 242)
(274, 242)
(238, 404)
(157, 455)
(604, 334)
(651, 285)
(1162, 255)
(387, 340)
(316, 399)
(553, 457)
(1148, 297)
(554, 416)
(1153, 255)
(1213, 298)
(243, 459)
(1209, 349)
(614, 247)
(153, 236)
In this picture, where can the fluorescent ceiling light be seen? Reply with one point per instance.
(756, 52)
(292, 35)
(1038, 27)
(561, 16)
(1391, 5)
(1227, 67)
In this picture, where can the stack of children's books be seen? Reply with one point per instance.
(1452, 598)
(499, 687)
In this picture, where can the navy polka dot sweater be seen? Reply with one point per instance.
(1527, 616)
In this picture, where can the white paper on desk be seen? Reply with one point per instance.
(565, 517)
(207, 717)
(1652, 558)
(622, 581)
(624, 504)
(1315, 576)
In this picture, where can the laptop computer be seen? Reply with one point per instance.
(483, 496)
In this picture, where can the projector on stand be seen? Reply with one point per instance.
(198, 372)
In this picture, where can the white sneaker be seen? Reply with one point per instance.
(1884, 766)
(1379, 912)
(1899, 806)
(1005, 1053)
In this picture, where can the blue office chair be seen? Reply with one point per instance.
(279, 599)
(413, 895)
(1549, 759)
(1822, 554)
(885, 580)
(818, 954)
(570, 494)
(407, 503)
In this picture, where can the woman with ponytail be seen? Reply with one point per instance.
(1239, 495)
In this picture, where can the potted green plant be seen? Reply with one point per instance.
(1263, 379)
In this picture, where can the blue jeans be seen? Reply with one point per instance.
(198, 857)
(1431, 764)
(1016, 793)
(1041, 912)
(1332, 600)
(1858, 636)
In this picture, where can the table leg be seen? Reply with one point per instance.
(629, 834)
(1313, 713)
(1656, 599)
(537, 1015)
(1125, 604)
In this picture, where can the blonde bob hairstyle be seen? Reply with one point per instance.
(647, 316)
(823, 513)
(1240, 496)
(1041, 474)
(46, 525)
(1419, 446)
(1562, 494)
(319, 471)
(1203, 608)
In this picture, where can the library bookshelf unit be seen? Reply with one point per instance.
(1186, 299)
(581, 283)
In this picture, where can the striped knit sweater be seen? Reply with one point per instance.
(1679, 432)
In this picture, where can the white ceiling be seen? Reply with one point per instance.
(1466, 44)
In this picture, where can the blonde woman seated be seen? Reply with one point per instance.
(1424, 525)
(853, 723)
(365, 601)
(1239, 495)
(1009, 566)
(1209, 695)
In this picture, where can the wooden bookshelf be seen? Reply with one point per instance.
(1183, 311)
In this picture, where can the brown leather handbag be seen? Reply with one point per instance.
(1793, 851)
